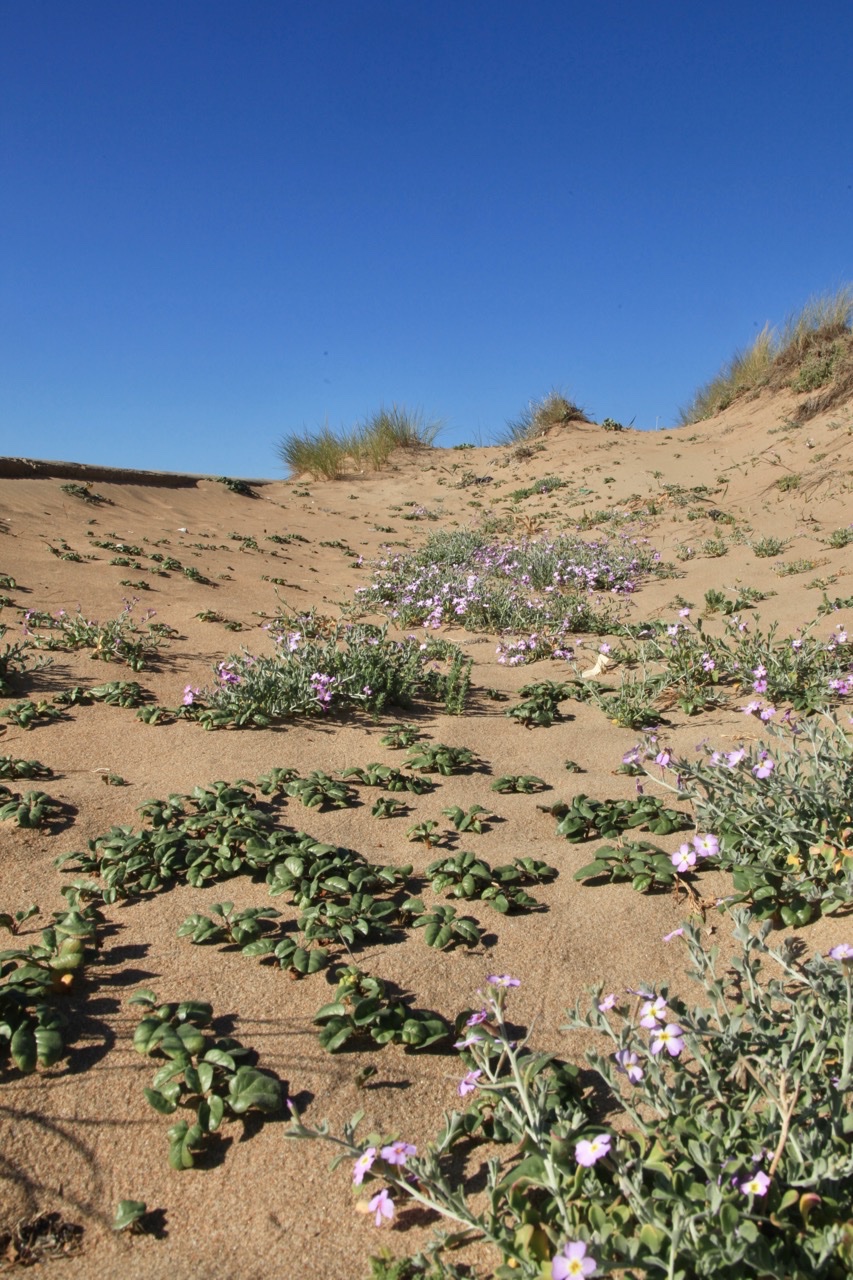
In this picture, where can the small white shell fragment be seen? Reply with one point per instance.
(602, 662)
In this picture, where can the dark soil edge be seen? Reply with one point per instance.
(34, 469)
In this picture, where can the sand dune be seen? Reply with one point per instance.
(79, 1137)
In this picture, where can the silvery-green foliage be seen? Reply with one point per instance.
(783, 813)
(732, 1152)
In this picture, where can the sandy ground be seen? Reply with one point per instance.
(80, 1137)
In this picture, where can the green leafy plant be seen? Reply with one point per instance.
(11, 767)
(26, 714)
(13, 922)
(318, 791)
(427, 833)
(435, 757)
(34, 809)
(443, 929)
(13, 662)
(584, 818)
(211, 834)
(236, 928)
(522, 783)
(361, 1010)
(275, 781)
(541, 702)
(312, 871)
(86, 493)
(383, 775)
(252, 931)
(475, 819)
(195, 575)
(360, 918)
(130, 1216)
(237, 486)
(388, 807)
(464, 875)
(120, 693)
(644, 864)
(372, 775)
(768, 547)
(204, 1074)
(290, 955)
(32, 978)
(399, 736)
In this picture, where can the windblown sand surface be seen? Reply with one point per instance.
(80, 1137)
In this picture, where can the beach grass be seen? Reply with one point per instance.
(368, 445)
(813, 350)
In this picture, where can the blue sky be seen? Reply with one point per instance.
(224, 222)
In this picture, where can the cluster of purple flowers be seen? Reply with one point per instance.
(395, 1154)
(664, 1036)
(321, 686)
(700, 846)
(525, 650)
(486, 579)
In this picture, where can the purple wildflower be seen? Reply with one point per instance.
(684, 858)
(669, 1038)
(589, 1150)
(757, 1185)
(651, 1012)
(381, 1206)
(468, 1083)
(363, 1165)
(572, 1261)
(627, 1064)
(398, 1152)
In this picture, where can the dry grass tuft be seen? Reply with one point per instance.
(814, 350)
(540, 417)
(328, 454)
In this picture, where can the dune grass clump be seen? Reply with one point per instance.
(327, 454)
(814, 350)
(320, 452)
(539, 416)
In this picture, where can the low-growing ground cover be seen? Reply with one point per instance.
(548, 589)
